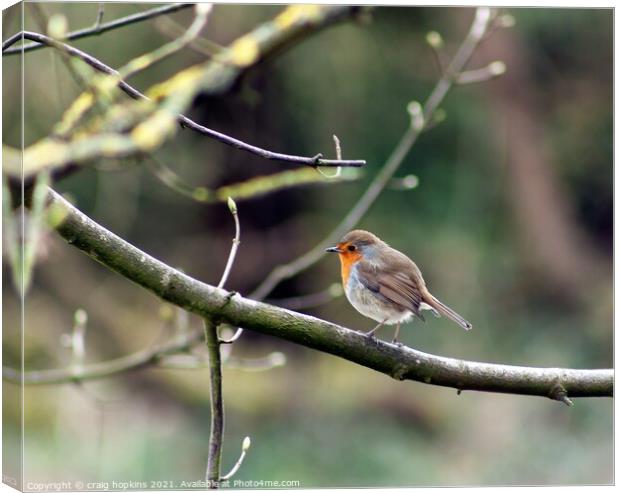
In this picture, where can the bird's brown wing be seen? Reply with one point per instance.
(393, 286)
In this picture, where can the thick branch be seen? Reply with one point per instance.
(401, 363)
(97, 29)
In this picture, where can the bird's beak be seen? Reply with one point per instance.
(333, 250)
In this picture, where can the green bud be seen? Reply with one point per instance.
(232, 206)
(57, 26)
(497, 67)
(80, 317)
(434, 39)
(410, 182)
(246, 444)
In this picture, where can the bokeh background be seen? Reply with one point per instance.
(511, 224)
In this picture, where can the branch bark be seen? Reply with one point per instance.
(401, 363)
(217, 405)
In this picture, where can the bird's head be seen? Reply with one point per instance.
(357, 244)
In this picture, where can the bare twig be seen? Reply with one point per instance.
(383, 178)
(100, 13)
(231, 256)
(235, 243)
(187, 122)
(234, 337)
(217, 405)
(244, 449)
(142, 62)
(96, 29)
(435, 41)
(338, 157)
(172, 29)
(166, 355)
(491, 71)
(94, 371)
(269, 362)
(194, 362)
(56, 27)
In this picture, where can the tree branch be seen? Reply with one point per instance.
(214, 77)
(217, 405)
(402, 363)
(250, 188)
(98, 28)
(94, 371)
(313, 161)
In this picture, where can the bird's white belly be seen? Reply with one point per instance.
(370, 305)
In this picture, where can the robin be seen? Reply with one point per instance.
(384, 284)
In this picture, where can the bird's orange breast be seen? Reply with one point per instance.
(347, 259)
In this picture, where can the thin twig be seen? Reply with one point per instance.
(194, 362)
(235, 243)
(95, 30)
(231, 256)
(142, 62)
(338, 157)
(56, 27)
(173, 29)
(244, 449)
(234, 337)
(100, 13)
(491, 71)
(383, 178)
(187, 122)
(217, 405)
(105, 369)
(168, 355)
(435, 41)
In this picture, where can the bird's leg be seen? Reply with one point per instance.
(371, 333)
(395, 339)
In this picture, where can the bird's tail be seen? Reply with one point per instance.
(448, 312)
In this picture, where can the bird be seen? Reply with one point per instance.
(384, 284)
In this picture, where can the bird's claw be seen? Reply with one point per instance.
(370, 336)
(397, 343)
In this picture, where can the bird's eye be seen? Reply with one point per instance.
(351, 248)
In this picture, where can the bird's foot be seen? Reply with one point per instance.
(397, 343)
(370, 337)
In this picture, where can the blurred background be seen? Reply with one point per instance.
(511, 225)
